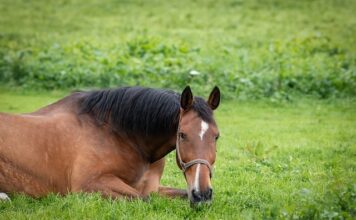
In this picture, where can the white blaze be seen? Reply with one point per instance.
(196, 179)
(204, 128)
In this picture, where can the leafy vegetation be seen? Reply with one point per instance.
(274, 161)
(251, 49)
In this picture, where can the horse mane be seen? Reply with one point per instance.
(138, 110)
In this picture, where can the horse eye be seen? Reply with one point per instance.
(217, 137)
(182, 136)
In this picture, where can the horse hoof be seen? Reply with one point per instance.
(4, 197)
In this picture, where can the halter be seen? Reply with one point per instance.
(184, 165)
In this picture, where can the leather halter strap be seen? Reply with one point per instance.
(186, 165)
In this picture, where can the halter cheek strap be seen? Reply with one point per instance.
(184, 165)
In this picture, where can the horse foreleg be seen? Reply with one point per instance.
(172, 192)
(150, 183)
(112, 187)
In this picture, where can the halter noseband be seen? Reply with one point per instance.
(184, 165)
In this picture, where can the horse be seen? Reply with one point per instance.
(111, 141)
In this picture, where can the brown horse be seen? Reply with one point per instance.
(112, 142)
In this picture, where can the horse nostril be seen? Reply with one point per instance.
(196, 195)
(209, 194)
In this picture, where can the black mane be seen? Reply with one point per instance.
(137, 110)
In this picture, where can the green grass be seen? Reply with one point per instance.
(251, 49)
(292, 160)
(289, 156)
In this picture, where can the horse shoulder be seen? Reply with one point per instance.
(103, 155)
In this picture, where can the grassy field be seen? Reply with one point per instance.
(251, 49)
(287, 71)
(275, 160)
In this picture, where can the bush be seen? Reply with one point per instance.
(309, 66)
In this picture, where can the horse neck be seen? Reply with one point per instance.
(153, 148)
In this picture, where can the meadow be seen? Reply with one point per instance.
(251, 49)
(286, 69)
(274, 161)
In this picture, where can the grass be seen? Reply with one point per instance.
(292, 160)
(288, 157)
(251, 49)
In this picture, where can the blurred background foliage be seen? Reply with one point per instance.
(278, 49)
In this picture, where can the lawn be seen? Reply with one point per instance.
(275, 160)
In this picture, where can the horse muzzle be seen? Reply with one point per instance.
(197, 197)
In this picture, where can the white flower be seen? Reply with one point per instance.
(194, 73)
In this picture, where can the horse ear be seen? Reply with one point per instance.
(214, 98)
(186, 99)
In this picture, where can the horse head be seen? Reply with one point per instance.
(196, 143)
